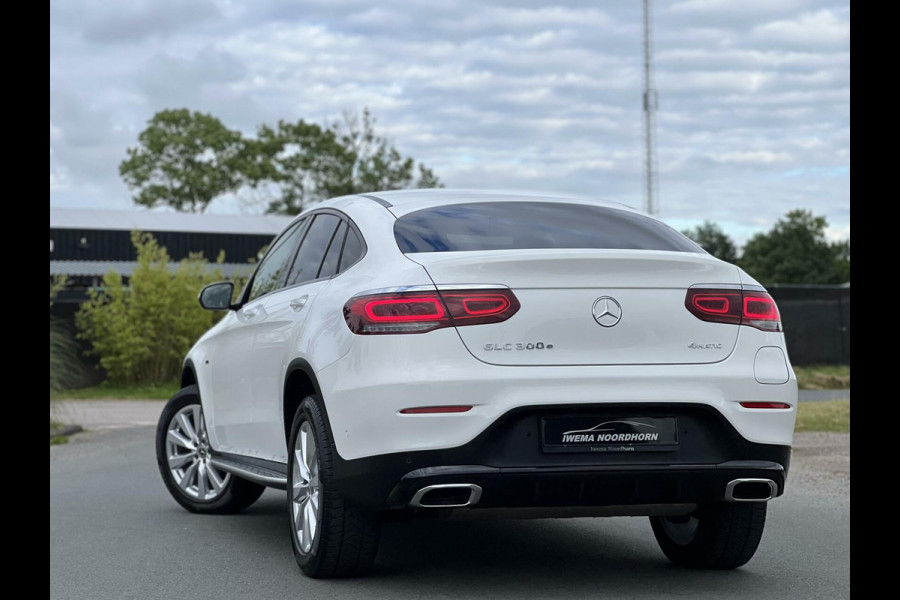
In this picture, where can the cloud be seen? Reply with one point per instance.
(754, 96)
(820, 28)
(134, 21)
(752, 157)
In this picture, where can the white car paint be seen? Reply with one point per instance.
(366, 380)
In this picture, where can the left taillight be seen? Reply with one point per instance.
(420, 312)
(754, 308)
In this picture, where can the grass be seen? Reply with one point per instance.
(107, 390)
(60, 439)
(823, 377)
(832, 415)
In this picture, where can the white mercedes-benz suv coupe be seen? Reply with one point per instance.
(440, 351)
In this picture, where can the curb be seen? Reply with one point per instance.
(67, 430)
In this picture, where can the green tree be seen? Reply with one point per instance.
(714, 240)
(304, 163)
(184, 160)
(309, 163)
(142, 331)
(796, 251)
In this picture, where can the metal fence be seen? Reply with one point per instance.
(816, 321)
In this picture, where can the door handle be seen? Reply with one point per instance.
(297, 304)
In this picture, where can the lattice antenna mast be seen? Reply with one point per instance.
(651, 103)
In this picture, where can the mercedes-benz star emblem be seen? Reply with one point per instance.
(607, 311)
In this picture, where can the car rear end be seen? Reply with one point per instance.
(562, 357)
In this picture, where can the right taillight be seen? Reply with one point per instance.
(421, 312)
(738, 307)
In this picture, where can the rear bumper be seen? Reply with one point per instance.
(365, 391)
(507, 462)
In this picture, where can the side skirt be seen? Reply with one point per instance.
(265, 472)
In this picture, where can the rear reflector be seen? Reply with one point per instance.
(738, 307)
(765, 405)
(420, 312)
(435, 410)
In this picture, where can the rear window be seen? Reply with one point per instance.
(532, 225)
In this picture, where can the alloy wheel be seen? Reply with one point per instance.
(189, 458)
(305, 500)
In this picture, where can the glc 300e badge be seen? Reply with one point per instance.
(607, 311)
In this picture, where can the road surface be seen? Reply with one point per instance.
(115, 534)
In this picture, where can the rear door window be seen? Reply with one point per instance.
(353, 250)
(333, 255)
(533, 225)
(313, 248)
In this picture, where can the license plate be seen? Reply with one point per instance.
(609, 434)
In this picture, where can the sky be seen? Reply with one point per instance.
(754, 97)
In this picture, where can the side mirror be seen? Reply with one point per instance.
(217, 296)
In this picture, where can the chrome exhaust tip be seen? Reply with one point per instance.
(447, 495)
(751, 490)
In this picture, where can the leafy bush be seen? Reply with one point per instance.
(142, 331)
(65, 367)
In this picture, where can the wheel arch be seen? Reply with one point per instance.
(188, 374)
(300, 381)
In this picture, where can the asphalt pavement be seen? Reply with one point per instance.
(115, 533)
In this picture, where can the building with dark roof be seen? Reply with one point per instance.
(85, 244)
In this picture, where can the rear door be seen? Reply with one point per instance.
(597, 285)
(311, 269)
(231, 394)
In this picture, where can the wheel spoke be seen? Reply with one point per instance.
(311, 521)
(176, 461)
(187, 427)
(301, 466)
(202, 482)
(178, 439)
(214, 478)
(301, 491)
(302, 446)
(188, 476)
(302, 528)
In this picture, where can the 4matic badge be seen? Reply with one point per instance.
(519, 346)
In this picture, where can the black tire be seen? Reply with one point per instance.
(346, 539)
(715, 536)
(236, 495)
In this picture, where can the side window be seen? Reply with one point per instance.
(353, 249)
(270, 270)
(330, 264)
(313, 248)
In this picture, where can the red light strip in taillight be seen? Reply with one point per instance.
(739, 307)
(779, 405)
(710, 303)
(484, 305)
(435, 410)
(393, 310)
(423, 311)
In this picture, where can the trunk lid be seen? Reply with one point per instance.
(591, 307)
